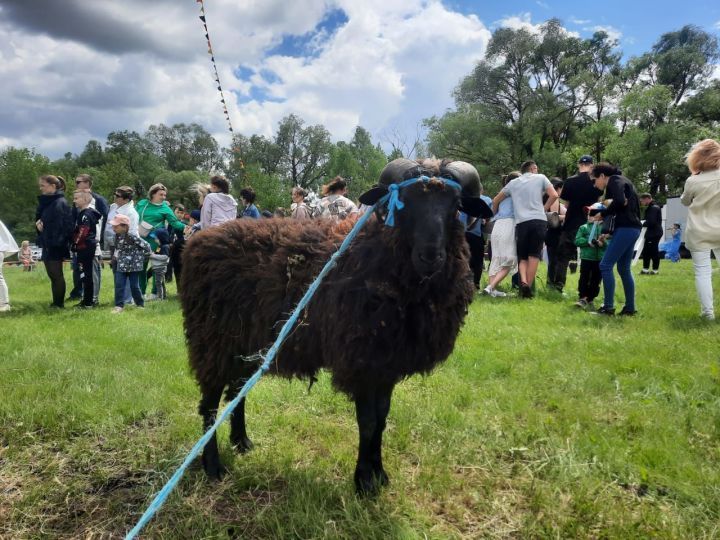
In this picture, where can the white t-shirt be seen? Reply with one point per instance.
(527, 192)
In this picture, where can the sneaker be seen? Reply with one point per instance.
(654, 272)
(83, 306)
(117, 309)
(644, 271)
(707, 316)
(5, 308)
(604, 310)
(150, 297)
(494, 293)
(627, 312)
(582, 303)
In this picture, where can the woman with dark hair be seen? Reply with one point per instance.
(702, 232)
(218, 206)
(155, 213)
(247, 196)
(335, 204)
(552, 239)
(298, 207)
(54, 223)
(623, 208)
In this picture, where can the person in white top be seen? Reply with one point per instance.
(335, 205)
(702, 233)
(8, 246)
(123, 206)
(218, 205)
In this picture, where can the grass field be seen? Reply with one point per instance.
(547, 422)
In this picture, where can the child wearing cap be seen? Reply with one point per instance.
(130, 254)
(592, 244)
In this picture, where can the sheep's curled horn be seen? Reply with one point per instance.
(463, 173)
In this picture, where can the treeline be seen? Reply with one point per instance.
(552, 97)
(549, 96)
(182, 154)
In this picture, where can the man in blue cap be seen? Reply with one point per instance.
(578, 192)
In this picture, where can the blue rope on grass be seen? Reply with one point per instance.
(395, 204)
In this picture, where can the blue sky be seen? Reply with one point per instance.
(83, 69)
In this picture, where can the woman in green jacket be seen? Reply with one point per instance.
(155, 213)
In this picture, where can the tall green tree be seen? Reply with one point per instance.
(304, 151)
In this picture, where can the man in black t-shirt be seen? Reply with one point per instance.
(578, 192)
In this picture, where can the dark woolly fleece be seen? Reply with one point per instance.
(373, 320)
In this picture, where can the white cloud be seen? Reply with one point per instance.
(384, 66)
(717, 25)
(543, 5)
(613, 33)
(579, 21)
(524, 21)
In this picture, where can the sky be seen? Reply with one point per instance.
(75, 70)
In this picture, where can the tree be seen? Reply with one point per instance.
(19, 172)
(92, 156)
(136, 153)
(185, 147)
(304, 151)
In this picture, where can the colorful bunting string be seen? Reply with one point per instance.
(214, 65)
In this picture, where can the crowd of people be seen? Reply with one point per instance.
(596, 213)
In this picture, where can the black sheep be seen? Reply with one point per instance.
(392, 306)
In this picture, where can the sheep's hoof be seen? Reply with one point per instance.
(215, 470)
(369, 482)
(243, 445)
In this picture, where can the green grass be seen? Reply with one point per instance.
(545, 422)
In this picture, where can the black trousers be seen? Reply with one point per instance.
(559, 257)
(589, 281)
(85, 264)
(54, 271)
(650, 253)
(477, 256)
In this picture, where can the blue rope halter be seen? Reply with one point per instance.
(394, 203)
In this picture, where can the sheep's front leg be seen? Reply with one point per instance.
(371, 409)
(209, 404)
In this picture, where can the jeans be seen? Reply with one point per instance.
(121, 281)
(703, 280)
(620, 252)
(4, 298)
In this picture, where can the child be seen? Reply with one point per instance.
(129, 256)
(592, 244)
(193, 224)
(159, 261)
(84, 243)
(26, 256)
(672, 246)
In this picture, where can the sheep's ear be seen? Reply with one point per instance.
(373, 195)
(476, 207)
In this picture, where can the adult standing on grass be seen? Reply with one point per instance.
(624, 209)
(502, 241)
(54, 223)
(527, 192)
(653, 234)
(702, 233)
(578, 192)
(154, 213)
(8, 246)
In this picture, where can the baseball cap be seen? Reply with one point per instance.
(120, 219)
(585, 159)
